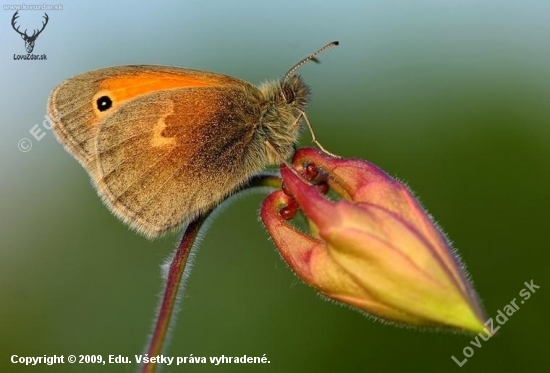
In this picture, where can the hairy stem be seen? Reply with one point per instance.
(179, 264)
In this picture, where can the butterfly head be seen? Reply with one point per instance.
(284, 103)
(294, 93)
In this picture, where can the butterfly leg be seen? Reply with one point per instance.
(313, 138)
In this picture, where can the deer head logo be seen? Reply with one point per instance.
(29, 40)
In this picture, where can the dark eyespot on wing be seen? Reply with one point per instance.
(104, 103)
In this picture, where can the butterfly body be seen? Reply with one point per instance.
(164, 144)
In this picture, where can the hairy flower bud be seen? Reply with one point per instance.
(375, 248)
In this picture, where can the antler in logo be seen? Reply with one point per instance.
(29, 40)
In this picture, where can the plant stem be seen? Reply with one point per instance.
(173, 280)
(178, 264)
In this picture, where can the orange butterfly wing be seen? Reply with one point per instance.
(73, 104)
(171, 144)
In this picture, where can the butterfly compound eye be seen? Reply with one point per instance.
(288, 94)
(104, 103)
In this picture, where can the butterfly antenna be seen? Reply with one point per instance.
(311, 57)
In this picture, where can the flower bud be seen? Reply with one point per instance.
(375, 248)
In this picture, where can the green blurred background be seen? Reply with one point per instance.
(453, 97)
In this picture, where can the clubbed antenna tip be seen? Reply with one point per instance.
(311, 57)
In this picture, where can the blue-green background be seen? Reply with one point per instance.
(452, 97)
